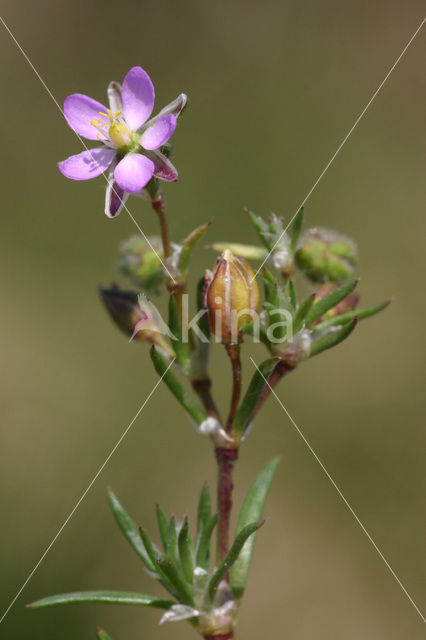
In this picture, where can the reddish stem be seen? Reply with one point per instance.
(202, 387)
(220, 636)
(225, 460)
(281, 370)
(233, 351)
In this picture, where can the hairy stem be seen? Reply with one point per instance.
(233, 351)
(225, 462)
(159, 205)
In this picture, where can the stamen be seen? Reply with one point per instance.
(105, 115)
(117, 113)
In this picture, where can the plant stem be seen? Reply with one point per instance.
(281, 370)
(233, 351)
(220, 636)
(202, 386)
(225, 463)
(159, 205)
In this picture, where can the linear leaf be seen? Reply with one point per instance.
(186, 400)
(204, 508)
(104, 597)
(173, 574)
(329, 301)
(302, 312)
(204, 543)
(350, 315)
(257, 332)
(333, 338)
(188, 246)
(296, 229)
(231, 557)
(129, 528)
(252, 396)
(251, 509)
(102, 635)
(162, 525)
(180, 346)
(186, 552)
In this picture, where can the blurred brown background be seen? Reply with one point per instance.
(273, 89)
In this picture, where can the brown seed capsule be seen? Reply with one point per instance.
(231, 297)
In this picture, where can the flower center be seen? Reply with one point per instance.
(111, 126)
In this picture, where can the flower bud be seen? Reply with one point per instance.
(325, 255)
(231, 297)
(136, 317)
(142, 263)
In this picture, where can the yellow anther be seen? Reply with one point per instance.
(95, 122)
(117, 113)
(105, 115)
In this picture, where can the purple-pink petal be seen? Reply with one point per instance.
(79, 111)
(134, 172)
(158, 133)
(115, 197)
(163, 168)
(88, 164)
(138, 97)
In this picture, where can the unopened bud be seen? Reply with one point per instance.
(141, 262)
(136, 317)
(325, 255)
(231, 297)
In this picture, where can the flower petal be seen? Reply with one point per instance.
(79, 111)
(115, 197)
(158, 134)
(176, 107)
(138, 97)
(88, 164)
(163, 168)
(134, 172)
(114, 97)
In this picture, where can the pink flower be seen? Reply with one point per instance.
(130, 142)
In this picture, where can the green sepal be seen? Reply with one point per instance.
(204, 543)
(175, 577)
(129, 528)
(186, 551)
(104, 597)
(350, 315)
(292, 294)
(249, 330)
(188, 246)
(251, 509)
(163, 525)
(181, 347)
(102, 635)
(184, 398)
(333, 338)
(296, 229)
(301, 313)
(329, 301)
(248, 251)
(231, 557)
(252, 396)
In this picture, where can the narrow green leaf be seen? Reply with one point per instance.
(252, 396)
(102, 635)
(172, 541)
(104, 597)
(231, 557)
(261, 229)
(204, 508)
(129, 528)
(180, 346)
(302, 312)
(188, 246)
(292, 294)
(186, 552)
(252, 509)
(204, 543)
(350, 315)
(162, 525)
(333, 338)
(173, 574)
(329, 301)
(202, 322)
(296, 229)
(251, 330)
(186, 400)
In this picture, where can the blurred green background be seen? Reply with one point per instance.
(273, 87)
